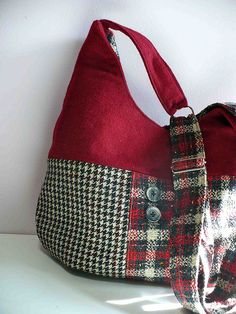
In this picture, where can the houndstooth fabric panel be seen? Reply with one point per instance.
(148, 242)
(82, 216)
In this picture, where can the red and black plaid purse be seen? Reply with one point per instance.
(124, 197)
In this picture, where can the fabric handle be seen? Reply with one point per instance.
(162, 78)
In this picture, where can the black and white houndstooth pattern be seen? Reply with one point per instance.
(82, 216)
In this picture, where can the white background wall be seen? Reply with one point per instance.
(39, 43)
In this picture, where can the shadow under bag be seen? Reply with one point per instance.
(124, 197)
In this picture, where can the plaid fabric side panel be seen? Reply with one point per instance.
(148, 250)
(82, 216)
(213, 276)
(222, 279)
(203, 228)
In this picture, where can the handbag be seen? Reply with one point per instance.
(124, 197)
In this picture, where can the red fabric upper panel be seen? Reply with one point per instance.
(101, 123)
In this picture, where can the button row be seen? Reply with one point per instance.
(153, 213)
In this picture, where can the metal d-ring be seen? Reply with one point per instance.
(186, 107)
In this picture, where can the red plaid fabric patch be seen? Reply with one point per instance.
(148, 250)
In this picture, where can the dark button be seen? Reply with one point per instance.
(153, 193)
(153, 214)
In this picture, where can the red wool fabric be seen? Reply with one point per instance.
(101, 123)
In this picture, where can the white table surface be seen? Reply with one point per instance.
(31, 282)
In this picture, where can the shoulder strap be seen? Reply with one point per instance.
(162, 78)
(203, 251)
